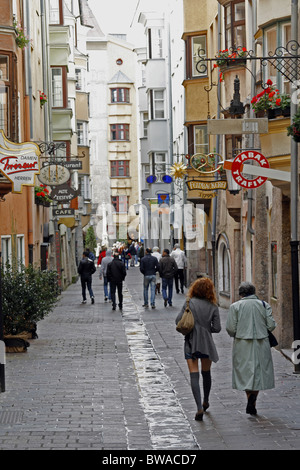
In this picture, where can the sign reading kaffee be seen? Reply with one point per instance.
(19, 162)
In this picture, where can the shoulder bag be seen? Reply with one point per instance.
(272, 339)
(186, 323)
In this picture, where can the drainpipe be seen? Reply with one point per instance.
(45, 68)
(215, 199)
(170, 123)
(294, 203)
(251, 136)
(28, 68)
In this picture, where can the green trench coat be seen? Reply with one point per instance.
(249, 322)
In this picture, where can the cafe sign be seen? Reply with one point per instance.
(19, 163)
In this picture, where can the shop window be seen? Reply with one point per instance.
(224, 269)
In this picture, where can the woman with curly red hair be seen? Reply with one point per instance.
(199, 343)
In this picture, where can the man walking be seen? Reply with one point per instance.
(103, 272)
(148, 267)
(167, 270)
(86, 268)
(116, 273)
(180, 259)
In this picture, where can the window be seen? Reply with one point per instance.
(155, 43)
(201, 142)
(20, 250)
(80, 76)
(82, 133)
(157, 104)
(145, 120)
(4, 109)
(224, 269)
(195, 49)
(119, 132)
(120, 203)
(119, 95)
(119, 168)
(235, 31)
(85, 188)
(274, 268)
(6, 250)
(276, 36)
(158, 164)
(56, 12)
(57, 87)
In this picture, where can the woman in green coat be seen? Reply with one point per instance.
(249, 321)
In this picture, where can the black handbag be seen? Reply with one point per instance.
(272, 340)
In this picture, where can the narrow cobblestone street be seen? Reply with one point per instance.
(105, 380)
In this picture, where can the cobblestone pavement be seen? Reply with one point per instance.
(110, 380)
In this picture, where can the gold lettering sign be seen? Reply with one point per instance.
(207, 185)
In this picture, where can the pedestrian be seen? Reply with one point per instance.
(116, 273)
(249, 321)
(141, 251)
(86, 268)
(91, 254)
(132, 252)
(102, 255)
(126, 256)
(181, 261)
(103, 272)
(157, 254)
(199, 344)
(149, 267)
(167, 271)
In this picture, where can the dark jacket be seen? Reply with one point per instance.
(86, 268)
(149, 265)
(167, 267)
(116, 271)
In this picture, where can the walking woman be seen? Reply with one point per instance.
(249, 321)
(199, 343)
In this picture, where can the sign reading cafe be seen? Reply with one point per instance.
(19, 162)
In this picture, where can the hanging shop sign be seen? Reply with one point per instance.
(54, 175)
(238, 167)
(206, 185)
(63, 194)
(163, 199)
(206, 164)
(19, 162)
(63, 212)
(70, 164)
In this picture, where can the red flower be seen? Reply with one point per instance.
(269, 82)
(278, 102)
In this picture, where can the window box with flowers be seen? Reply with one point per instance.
(271, 103)
(232, 56)
(294, 128)
(42, 197)
(22, 41)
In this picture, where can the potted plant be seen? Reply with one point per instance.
(294, 128)
(28, 295)
(21, 40)
(42, 197)
(229, 56)
(43, 99)
(271, 102)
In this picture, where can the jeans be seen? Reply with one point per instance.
(179, 275)
(149, 280)
(106, 285)
(113, 287)
(167, 284)
(86, 282)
